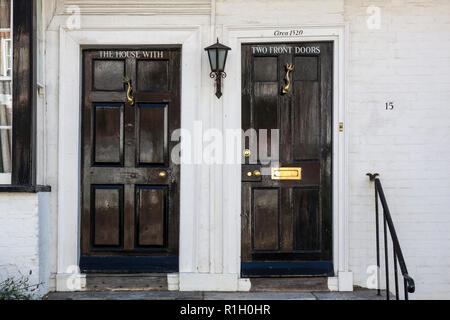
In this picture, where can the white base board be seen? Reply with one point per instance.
(70, 282)
(333, 283)
(345, 281)
(209, 282)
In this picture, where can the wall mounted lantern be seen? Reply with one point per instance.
(217, 54)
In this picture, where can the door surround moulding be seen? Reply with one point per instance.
(68, 277)
(134, 7)
(69, 100)
(237, 35)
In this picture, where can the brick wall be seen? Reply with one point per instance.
(19, 235)
(22, 247)
(406, 61)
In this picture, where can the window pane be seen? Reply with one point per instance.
(5, 86)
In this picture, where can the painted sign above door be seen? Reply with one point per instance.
(122, 54)
(275, 50)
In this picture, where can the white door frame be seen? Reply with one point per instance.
(68, 251)
(210, 197)
(238, 35)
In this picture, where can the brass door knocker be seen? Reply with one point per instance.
(130, 97)
(287, 87)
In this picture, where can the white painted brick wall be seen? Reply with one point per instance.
(22, 247)
(406, 61)
(19, 235)
(279, 12)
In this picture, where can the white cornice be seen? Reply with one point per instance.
(135, 7)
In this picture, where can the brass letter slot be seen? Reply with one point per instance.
(286, 173)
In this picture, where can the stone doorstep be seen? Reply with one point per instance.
(358, 294)
(126, 282)
(158, 282)
(154, 287)
(293, 284)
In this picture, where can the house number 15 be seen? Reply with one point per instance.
(389, 106)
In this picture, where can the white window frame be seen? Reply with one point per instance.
(6, 58)
(7, 65)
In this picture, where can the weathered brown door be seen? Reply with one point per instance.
(130, 186)
(287, 217)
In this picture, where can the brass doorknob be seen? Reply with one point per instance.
(162, 174)
(249, 174)
(247, 153)
(256, 173)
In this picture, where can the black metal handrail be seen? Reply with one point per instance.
(408, 282)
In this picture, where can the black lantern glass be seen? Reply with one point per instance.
(217, 54)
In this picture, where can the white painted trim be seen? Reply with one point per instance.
(345, 281)
(173, 282)
(333, 284)
(134, 7)
(5, 178)
(235, 37)
(68, 156)
(208, 282)
(69, 134)
(70, 282)
(6, 57)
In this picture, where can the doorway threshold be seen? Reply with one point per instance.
(101, 282)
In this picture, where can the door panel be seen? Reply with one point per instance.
(306, 68)
(266, 105)
(107, 215)
(306, 117)
(151, 215)
(130, 186)
(266, 216)
(153, 75)
(265, 69)
(307, 216)
(152, 133)
(108, 136)
(108, 75)
(286, 224)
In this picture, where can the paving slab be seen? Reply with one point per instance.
(259, 296)
(126, 295)
(359, 294)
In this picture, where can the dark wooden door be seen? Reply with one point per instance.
(130, 186)
(287, 224)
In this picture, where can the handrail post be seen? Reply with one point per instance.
(386, 255)
(406, 288)
(377, 227)
(397, 295)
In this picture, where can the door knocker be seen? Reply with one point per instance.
(130, 97)
(287, 87)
